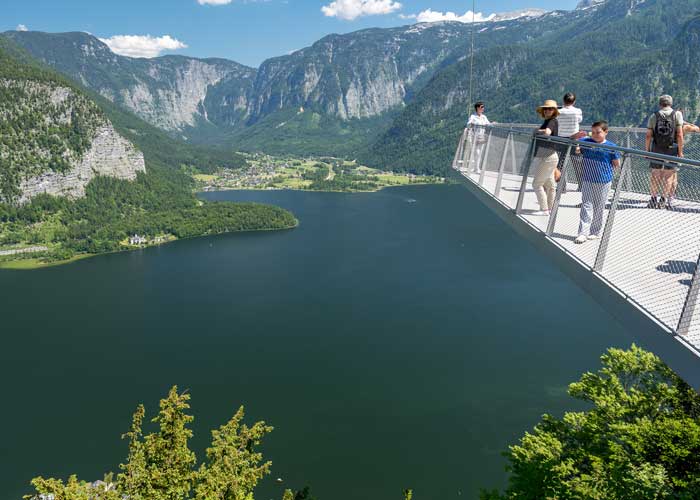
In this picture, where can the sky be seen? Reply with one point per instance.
(246, 31)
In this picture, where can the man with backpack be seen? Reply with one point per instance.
(665, 136)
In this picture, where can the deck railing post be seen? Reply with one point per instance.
(502, 165)
(607, 230)
(560, 190)
(513, 161)
(470, 149)
(526, 170)
(460, 150)
(484, 158)
(691, 301)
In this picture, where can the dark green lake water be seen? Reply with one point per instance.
(392, 343)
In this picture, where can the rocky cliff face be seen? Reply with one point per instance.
(109, 155)
(359, 75)
(367, 73)
(55, 140)
(168, 92)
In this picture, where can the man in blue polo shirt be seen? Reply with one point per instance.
(596, 179)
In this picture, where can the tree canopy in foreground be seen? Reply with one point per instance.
(161, 466)
(640, 439)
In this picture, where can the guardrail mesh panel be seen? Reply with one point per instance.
(567, 217)
(514, 169)
(649, 252)
(497, 143)
(653, 251)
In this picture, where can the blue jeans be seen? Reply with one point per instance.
(594, 196)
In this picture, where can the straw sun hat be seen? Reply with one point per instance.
(549, 103)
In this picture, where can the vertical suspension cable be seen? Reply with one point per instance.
(471, 58)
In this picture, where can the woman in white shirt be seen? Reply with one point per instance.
(477, 134)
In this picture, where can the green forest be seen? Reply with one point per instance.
(159, 202)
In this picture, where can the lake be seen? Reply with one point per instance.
(399, 339)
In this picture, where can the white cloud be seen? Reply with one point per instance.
(431, 16)
(142, 45)
(352, 9)
(22, 27)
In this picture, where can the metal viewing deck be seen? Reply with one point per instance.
(643, 268)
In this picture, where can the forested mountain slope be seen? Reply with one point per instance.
(618, 56)
(53, 139)
(70, 183)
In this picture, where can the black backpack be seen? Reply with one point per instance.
(665, 130)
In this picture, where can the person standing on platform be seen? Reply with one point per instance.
(476, 123)
(570, 118)
(546, 158)
(688, 128)
(596, 178)
(664, 136)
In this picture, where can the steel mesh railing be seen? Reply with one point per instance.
(648, 254)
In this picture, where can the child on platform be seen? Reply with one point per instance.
(596, 178)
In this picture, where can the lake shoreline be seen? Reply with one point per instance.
(36, 263)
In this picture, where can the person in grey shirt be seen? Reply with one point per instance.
(665, 136)
(570, 118)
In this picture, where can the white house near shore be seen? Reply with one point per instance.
(137, 240)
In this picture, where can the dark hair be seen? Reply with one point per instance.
(569, 98)
(478, 105)
(602, 124)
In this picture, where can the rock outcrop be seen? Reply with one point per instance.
(110, 155)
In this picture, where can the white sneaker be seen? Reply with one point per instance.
(593, 236)
(581, 238)
(541, 212)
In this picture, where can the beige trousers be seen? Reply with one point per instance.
(543, 183)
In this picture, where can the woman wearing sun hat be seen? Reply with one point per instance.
(546, 158)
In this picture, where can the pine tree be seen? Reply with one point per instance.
(133, 481)
(169, 461)
(233, 467)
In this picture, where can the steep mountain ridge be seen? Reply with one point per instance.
(169, 92)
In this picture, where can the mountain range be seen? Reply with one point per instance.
(336, 93)
(397, 97)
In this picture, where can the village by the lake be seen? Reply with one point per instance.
(312, 174)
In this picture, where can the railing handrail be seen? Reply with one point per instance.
(635, 130)
(676, 160)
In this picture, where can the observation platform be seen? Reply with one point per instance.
(644, 267)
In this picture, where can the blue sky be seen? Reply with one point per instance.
(247, 31)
